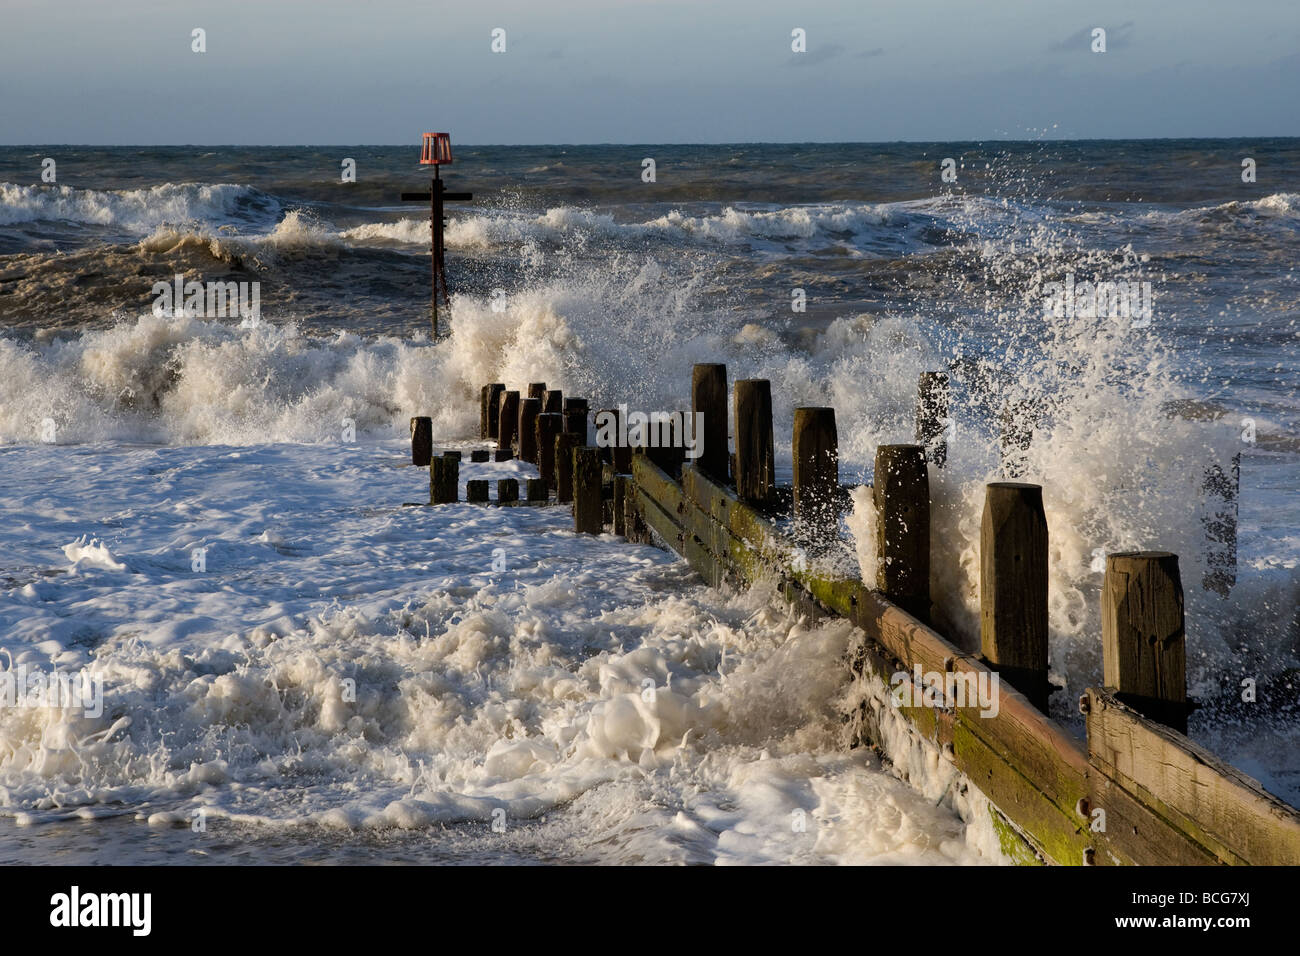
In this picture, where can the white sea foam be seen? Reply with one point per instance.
(132, 210)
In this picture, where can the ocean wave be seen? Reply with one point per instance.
(137, 210)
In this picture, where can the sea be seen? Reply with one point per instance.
(204, 515)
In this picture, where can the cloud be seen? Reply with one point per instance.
(1117, 38)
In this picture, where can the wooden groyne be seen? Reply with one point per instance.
(1134, 790)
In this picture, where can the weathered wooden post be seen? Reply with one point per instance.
(444, 480)
(1144, 653)
(507, 420)
(816, 473)
(755, 470)
(932, 416)
(586, 490)
(491, 409)
(537, 390)
(549, 425)
(507, 490)
(476, 491)
(526, 435)
(536, 488)
(565, 442)
(709, 398)
(634, 526)
(575, 418)
(621, 485)
(1018, 420)
(902, 497)
(666, 435)
(553, 401)
(610, 422)
(1013, 587)
(1219, 517)
(421, 440)
(480, 455)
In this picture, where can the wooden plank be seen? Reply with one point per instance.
(1036, 773)
(1215, 804)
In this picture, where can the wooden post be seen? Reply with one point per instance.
(755, 470)
(816, 473)
(565, 442)
(669, 436)
(1013, 587)
(575, 417)
(526, 434)
(1219, 516)
(902, 497)
(1018, 420)
(621, 484)
(503, 454)
(709, 398)
(421, 440)
(586, 490)
(537, 390)
(507, 490)
(618, 455)
(932, 416)
(480, 455)
(508, 420)
(553, 401)
(476, 491)
(536, 489)
(1144, 654)
(549, 425)
(493, 410)
(444, 480)
(634, 526)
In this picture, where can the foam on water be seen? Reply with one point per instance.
(523, 692)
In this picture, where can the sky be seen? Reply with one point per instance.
(121, 72)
